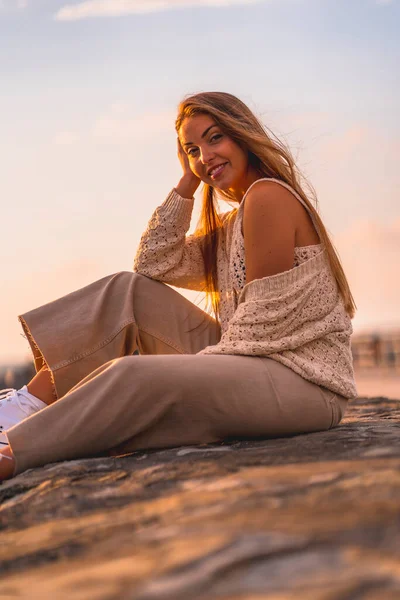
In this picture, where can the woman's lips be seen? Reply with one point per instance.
(217, 172)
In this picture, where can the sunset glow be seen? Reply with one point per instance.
(89, 92)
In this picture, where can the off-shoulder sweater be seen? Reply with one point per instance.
(296, 317)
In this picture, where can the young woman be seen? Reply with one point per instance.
(275, 360)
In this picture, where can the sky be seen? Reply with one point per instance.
(89, 91)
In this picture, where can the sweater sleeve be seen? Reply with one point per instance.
(165, 252)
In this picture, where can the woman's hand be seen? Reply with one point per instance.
(189, 182)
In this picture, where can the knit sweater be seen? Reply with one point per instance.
(296, 317)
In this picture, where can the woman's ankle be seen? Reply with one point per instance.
(42, 387)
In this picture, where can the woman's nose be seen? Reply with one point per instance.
(206, 155)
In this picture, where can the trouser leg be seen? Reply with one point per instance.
(112, 318)
(166, 401)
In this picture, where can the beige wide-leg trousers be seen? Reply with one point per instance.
(112, 400)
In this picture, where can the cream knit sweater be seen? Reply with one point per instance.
(296, 318)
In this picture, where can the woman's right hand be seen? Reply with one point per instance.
(189, 182)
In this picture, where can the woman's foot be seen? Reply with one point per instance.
(7, 463)
(15, 406)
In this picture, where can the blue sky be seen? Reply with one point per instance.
(88, 145)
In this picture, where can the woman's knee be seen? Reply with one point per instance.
(140, 283)
(133, 275)
(122, 363)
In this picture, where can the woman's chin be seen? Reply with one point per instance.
(221, 186)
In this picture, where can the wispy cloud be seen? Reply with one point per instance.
(13, 4)
(116, 8)
(119, 125)
(342, 146)
(66, 138)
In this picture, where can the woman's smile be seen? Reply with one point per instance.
(216, 172)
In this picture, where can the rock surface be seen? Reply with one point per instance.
(312, 517)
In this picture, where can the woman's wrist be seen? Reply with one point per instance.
(187, 186)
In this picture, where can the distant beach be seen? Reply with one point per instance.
(377, 363)
(378, 382)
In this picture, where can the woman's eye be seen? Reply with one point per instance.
(213, 138)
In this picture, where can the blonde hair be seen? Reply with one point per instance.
(272, 159)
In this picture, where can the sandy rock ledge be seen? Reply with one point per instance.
(312, 517)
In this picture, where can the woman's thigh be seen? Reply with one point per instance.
(119, 315)
(217, 397)
(169, 323)
(122, 307)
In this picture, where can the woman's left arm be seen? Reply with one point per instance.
(269, 229)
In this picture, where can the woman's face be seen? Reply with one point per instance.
(214, 157)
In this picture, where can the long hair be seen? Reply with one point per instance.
(272, 159)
